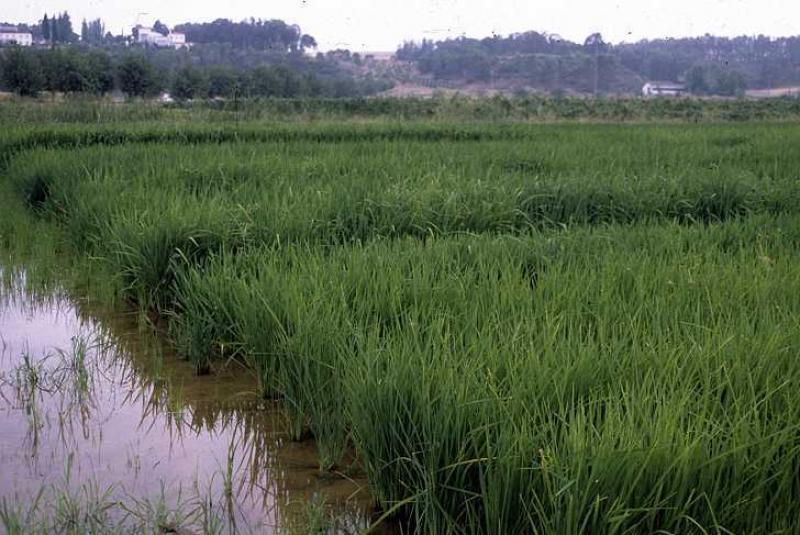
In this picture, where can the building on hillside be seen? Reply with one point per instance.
(178, 40)
(148, 36)
(663, 89)
(11, 35)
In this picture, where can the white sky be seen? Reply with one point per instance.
(381, 25)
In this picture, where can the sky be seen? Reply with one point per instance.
(382, 25)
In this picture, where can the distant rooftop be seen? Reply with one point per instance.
(665, 85)
(378, 54)
(9, 29)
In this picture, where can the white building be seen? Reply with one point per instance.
(663, 89)
(178, 40)
(148, 36)
(10, 35)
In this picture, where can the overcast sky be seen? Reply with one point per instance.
(380, 25)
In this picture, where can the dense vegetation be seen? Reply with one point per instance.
(200, 73)
(709, 65)
(227, 113)
(229, 60)
(226, 57)
(518, 328)
(258, 34)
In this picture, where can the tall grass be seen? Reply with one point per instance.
(443, 108)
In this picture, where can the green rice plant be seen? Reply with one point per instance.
(338, 192)
(314, 518)
(87, 111)
(14, 519)
(29, 380)
(456, 374)
(76, 366)
(512, 327)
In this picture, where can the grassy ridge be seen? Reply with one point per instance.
(443, 108)
(518, 328)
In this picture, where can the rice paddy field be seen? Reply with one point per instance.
(513, 327)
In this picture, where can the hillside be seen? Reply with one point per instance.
(540, 62)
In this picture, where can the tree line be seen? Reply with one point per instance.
(257, 34)
(255, 50)
(71, 70)
(708, 64)
(57, 29)
(250, 58)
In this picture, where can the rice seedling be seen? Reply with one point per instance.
(176, 406)
(74, 368)
(425, 356)
(517, 328)
(29, 381)
(314, 518)
(70, 506)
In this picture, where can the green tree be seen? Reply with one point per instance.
(730, 83)
(265, 82)
(696, 81)
(100, 71)
(189, 83)
(55, 30)
(595, 44)
(92, 32)
(137, 76)
(662, 66)
(161, 28)
(47, 31)
(715, 80)
(64, 25)
(307, 41)
(66, 71)
(222, 81)
(21, 71)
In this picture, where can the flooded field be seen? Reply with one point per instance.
(513, 327)
(99, 418)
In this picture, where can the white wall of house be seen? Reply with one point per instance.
(19, 38)
(662, 90)
(148, 36)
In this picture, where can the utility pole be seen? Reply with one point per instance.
(596, 71)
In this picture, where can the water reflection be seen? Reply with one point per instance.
(86, 395)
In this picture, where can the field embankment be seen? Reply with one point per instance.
(437, 109)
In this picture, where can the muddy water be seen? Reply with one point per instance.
(89, 399)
